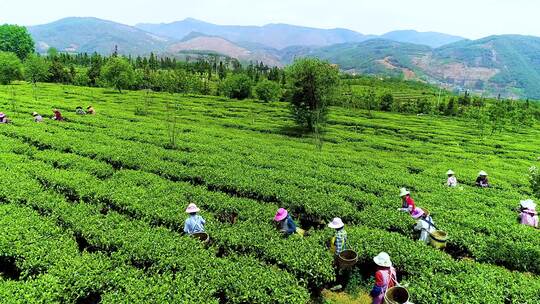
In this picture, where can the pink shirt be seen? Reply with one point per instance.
(529, 218)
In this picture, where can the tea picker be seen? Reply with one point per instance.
(79, 111)
(482, 180)
(90, 110)
(194, 223)
(339, 242)
(4, 119)
(345, 259)
(57, 115)
(528, 215)
(408, 204)
(452, 180)
(37, 117)
(424, 224)
(286, 225)
(386, 288)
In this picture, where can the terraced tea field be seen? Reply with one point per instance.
(92, 209)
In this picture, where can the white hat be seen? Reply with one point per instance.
(528, 204)
(192, 208)
(482, 173)
(336, 223)
(383, 260)
(403, 192)
(450, 172)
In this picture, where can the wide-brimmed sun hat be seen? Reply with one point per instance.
(482, 173)
(34, 114)
(2, 115)
(336, 223)
(417, 213)
(280, 214)
(192, 208)
(403, 192)
(450, 172)
(528, 204)
(383, 260)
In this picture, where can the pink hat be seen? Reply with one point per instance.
(192, 208)
(280, 215)
(417, 213)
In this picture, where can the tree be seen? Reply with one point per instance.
(10, 67)
(267, 90)
(16, 39)
(36, 69)
(370, 101)
(387, 100)
(118, 73)
(237, 86)
(312, 84)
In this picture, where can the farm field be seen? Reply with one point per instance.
(92, 208)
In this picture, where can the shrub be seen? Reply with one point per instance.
(10, 67)
(267, 90)
(236, 86)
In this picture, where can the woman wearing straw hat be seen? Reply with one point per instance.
(452, 180)
(528, 215)
(408, 204)
(194, 223)
(37, 117)
(285, 222)
(482, 180)
(424, 224)
(339, 241)
(385, 277)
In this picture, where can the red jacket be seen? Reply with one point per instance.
(58, 115)
(409, 203)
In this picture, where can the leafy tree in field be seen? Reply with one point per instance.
(451, 107)
(312, 83)
(386, 102)
(96, 62)
(10, 67)
(237, 86)
(267, 90)
(370, 101)
(36, 69)
(118, 73)
(16, 39)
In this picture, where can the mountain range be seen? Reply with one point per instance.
(508, 65)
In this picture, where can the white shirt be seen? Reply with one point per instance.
(425, 228)
(452, 181)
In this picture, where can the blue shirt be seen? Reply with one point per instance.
(288, 226)
(194, 224)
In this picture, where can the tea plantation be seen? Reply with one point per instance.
(92, 208)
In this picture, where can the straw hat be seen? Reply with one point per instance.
(336, 223)
(2, 115)
(450, 172)
(383, 260)
(528, 204)
(403, 192)
(482, 173)
(417, 213)
(280, 214)
(34, 114)
(192, 208)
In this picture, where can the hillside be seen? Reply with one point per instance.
(431, 39)
(101, 220)
(277, 36)
(376, 56)
(200, 42)
(95, 35)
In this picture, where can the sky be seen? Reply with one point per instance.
(468, 18)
